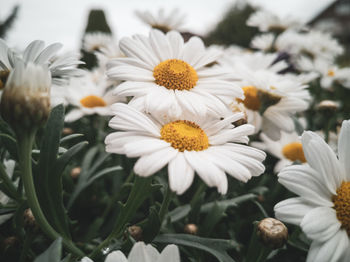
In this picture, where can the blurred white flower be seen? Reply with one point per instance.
(174, 20)
(267, 21)
(89, 95)
(263, 42)
(323, 206)
(96, 41)
(287, 149)
(187, 144)
(164, 74)
(143, 253)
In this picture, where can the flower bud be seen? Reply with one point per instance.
(25, 101)
(328, 106)
(272, 233)
(191, 229)
(75, 172)
(29, 220)
(135, 232)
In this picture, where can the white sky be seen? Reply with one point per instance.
(64, 20)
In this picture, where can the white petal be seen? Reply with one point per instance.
(321, 158)
(160, 45)
(144, 146)
(139, 253)
(149, 164)
(320, 224)
(169, 254)
(344, 148)
(116, 256)
(180, 174)
(73, 115)
(292, 210)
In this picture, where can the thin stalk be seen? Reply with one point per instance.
(25, 143)
(165, 204)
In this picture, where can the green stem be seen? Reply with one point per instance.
(257, 252)
(165, 204)
(25, 143)
(140, 191)
(198, 193)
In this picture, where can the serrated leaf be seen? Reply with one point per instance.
(52, 254)
(212, 218)
(216, 247)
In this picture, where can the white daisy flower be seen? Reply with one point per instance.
(174, 20)
(96, 41)
(163, 73)
(267, 21)
(328, 71)
(323, 206)
(287, 149)
(186, 144)
(89, 95)
(4, 199)
(263, 42)
(270, 99)
(143, 253)
(61, 67)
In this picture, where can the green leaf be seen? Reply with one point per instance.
(233, 202)
(70, 137)
(152, 226)
(212, 218)
(179, 213)
(10, 144)
(52, 254)
(47, 175)
(216, 247)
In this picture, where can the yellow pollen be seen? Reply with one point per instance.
(330, 72)
(294, 151)
(184, 135)
(92, 101)
(342, 205)
(175, 74)
(251, 100)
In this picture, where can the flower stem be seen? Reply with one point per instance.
(165, 204)
(140, 191)
(25, 143)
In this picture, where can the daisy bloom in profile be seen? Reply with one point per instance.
(323, 206)
(164, 74)
(61, 67)
(96, 41)
(270, 99)
(143, 253)
(187, 144)
(288, 149)
(266, 21)
(89, 95)
(174, 20)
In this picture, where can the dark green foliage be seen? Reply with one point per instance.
(8, 22)
(233, 29)
(96, 23)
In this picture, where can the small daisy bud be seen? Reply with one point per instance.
(328, 106)
(67, 131)
(29, 219)
(25, 101)
(272, 232)
(75, 172)
(135, 232)
(191, 229)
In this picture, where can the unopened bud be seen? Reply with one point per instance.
(328, 106)
(135, 232)
(191, 229)
(272, 233)
(25, 101)
(67, 131)
(75, 172)
(29, 220)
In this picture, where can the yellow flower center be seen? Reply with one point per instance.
(175, 74)
(184, 135)
(294, 151)
(92, 101)
(330, 72)
(342, 205)
(251, 100)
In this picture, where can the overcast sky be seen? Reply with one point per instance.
(64, 20)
